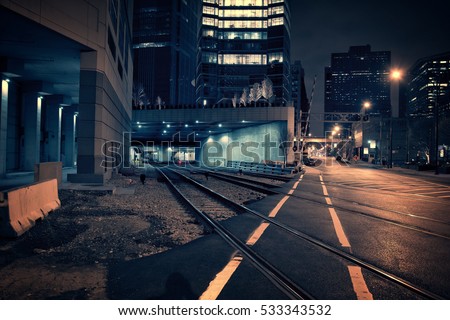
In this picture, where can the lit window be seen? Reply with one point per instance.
(238, 3)
(258, 59)
(209, 33)
(275, 57)
(276, 21)
(276, 10)
(208, 10)
(243, 24)
(208, 21)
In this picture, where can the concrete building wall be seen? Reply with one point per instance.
(258, 144)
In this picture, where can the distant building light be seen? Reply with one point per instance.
(186, 125)
(196, 121)
(168, 126)
(151, 45)
(220, 125)
(138, 122)
(139, 126)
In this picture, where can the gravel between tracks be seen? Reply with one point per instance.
(67, 255)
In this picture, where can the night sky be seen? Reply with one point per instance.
(409, 29)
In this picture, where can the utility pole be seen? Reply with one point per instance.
(436, 122)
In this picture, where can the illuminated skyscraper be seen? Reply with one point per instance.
(356, 76)
(241, 43)
(429, 78)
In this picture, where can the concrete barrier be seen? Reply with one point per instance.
(21, 207)
(48, 170)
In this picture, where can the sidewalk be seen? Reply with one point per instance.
(428, 173)
(17, 179)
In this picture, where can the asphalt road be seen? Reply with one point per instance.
(391, 219)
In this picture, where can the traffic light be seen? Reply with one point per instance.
(366, 117)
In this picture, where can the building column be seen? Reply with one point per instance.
(53, 128)
(90, 157)
(32, 105)
(3, 127)
(70, 124)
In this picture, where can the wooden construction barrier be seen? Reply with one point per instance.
(21, 207)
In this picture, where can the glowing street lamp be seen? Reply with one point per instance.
(396, 74)
(366, 105)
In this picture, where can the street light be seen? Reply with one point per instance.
(366, 105)
(360, 142)
(396, 76)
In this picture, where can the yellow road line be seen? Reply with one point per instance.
(359, 284)
(338, 228)
(356, 276)
(257, 233)
(218, 283)
(325, 192)
(216, 286)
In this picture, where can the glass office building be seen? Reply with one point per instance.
(357, 76)
(165, 51)
(428, 85)
(241, 44)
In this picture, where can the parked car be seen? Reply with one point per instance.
(309, 161)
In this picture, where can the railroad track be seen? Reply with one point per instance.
(289, 287)
(202, 209)
(271, 189)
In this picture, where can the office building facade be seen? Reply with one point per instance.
(244, 52)
(428, 108)
(357, 76)
(428, 86)
(165, 51)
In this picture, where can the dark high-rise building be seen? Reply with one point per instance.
(429, 78)
(357, 76)
(242, 43)
(164, 43)
(299, 97)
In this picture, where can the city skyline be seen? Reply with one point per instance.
(419, 31)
